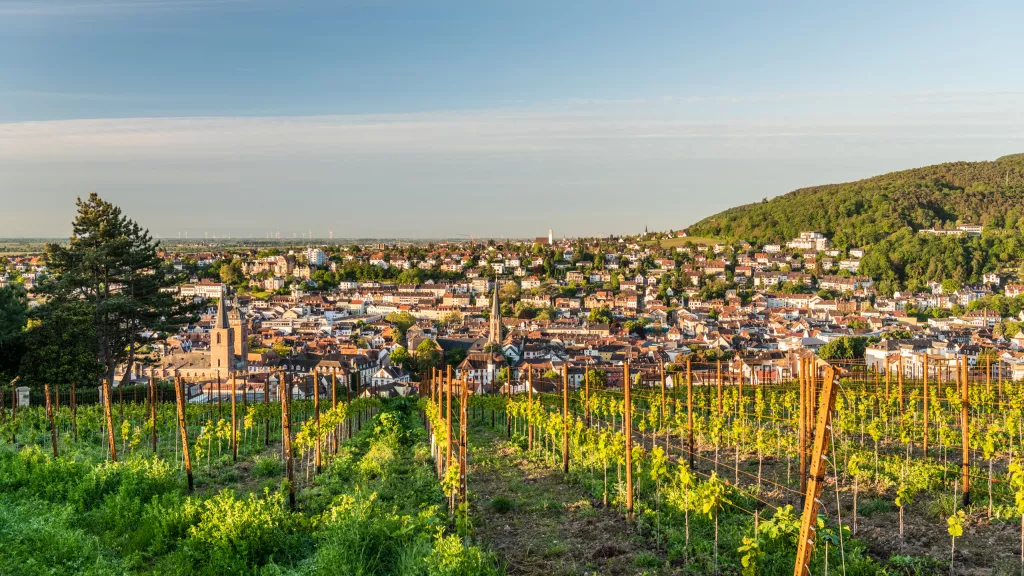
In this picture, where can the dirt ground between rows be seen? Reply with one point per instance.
(539, 524)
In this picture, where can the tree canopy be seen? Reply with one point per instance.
(843, 348)
(884, 214)
(13, 317)
(110, 267)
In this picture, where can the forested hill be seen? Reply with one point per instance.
(884, 213)
(863, 212)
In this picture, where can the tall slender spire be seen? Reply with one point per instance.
(222, 315)
(495, 325)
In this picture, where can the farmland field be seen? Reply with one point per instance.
(528, 484)
(697, 240)
(375, 507)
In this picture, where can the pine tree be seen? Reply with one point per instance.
(112, 264)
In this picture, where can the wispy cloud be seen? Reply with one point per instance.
(594, 168)
(680, 130)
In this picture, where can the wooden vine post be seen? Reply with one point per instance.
(448, 423)
(508, 419)
(812, 399)
(721, 426)
(565, 418)
(988, 373)
(334, 405)
(815, 481)
(317, 452)
(183, 430)
(739, 392)
(661, 371)
(152, 407)
(689, 412)
(234, 420)
(586, 395)
(49, 415)
(924, 444)
(802, 423)
(463, 439)
(74, 412)
(266, 400)
(627, 420)
(286, 438)
(887, 364)
(718, 383)
(108, 413)
(965, 476)
(999, 369)
(56, 401)
(436, 397)
(900, 383)
(529, 397)
(348, 402)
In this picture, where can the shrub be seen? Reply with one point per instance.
(267, 467)
(450, 557)
(501, 505)
(136, 478)
(358, 537)
(40, 538)
(237, 535)
(377, 460)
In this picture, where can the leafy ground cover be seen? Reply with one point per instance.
(376, 508)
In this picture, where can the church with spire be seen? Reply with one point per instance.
(482, 369)
(494, 328)
(229, 342)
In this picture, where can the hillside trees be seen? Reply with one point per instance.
(843, 348)
(13, 316)
(60, 345)
(111, 265)
(885, 213)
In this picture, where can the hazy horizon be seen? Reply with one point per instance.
(385, 119)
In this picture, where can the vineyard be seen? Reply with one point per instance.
(917, 474)
(298, 486)
(845, 471)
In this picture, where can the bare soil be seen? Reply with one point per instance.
(539, 524)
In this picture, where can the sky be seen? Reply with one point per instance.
(491, 118)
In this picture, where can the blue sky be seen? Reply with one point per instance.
(492, 118)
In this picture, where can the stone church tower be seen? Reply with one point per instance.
(222, 345)
(239, 333)
(494, 326)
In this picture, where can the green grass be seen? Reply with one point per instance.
(377, 508)
(698, 240)
(501, 505)
(869, 507)
(645, 559)
(555, 549)
(267, 467)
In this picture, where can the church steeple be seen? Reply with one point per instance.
(222, 316)
(494, 337)
(222, 346)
